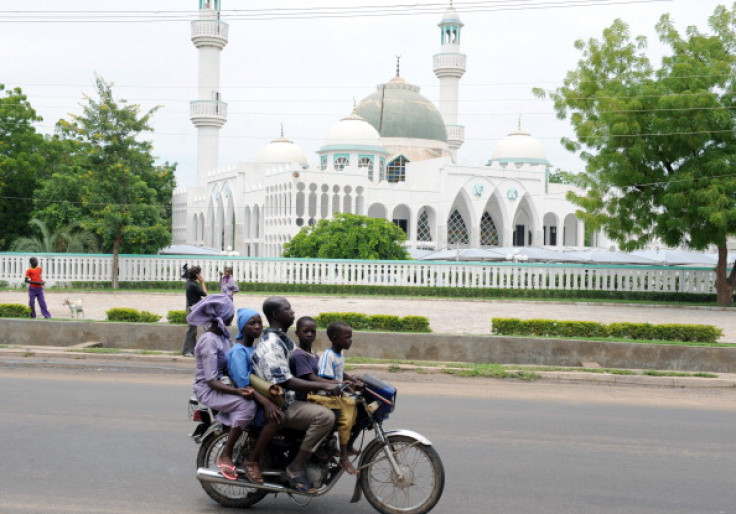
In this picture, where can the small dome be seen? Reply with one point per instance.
(397, 109)
(451, 16)
(282, 150)
(352, 132)
(520, 146)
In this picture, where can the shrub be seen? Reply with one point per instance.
(14, 310)
(131, 315)
(384, 322)
(644, 331)
(177, 317)
(416, 324)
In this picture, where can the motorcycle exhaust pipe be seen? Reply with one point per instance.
(214, 476)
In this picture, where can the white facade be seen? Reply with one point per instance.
(392, 158)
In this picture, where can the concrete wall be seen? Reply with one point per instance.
(431, 347)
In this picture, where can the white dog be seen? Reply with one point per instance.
(76, 307)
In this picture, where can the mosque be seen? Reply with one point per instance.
(393, 157)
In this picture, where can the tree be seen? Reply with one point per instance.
(658, 143)
(108, 179)
(21, 163)
(71, 238)
(349, 236)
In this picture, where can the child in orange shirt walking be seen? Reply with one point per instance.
(35, 289)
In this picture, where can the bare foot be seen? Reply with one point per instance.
(348, 466)
(352, 452)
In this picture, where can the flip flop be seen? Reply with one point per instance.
(300, 484)
(253, 470)
(227, 470)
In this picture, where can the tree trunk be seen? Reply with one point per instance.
(115, 260)
(724, 283)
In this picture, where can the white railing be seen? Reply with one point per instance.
(506, 275)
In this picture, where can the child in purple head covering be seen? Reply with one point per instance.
(235, 405)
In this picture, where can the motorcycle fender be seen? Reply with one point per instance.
(214, 427)
(358, 492)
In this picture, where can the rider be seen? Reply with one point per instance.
(271, 362)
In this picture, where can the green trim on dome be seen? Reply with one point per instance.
(521, 160)
(401, 112)
(354, 148)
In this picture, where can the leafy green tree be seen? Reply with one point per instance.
(658, 142)
(21, 163)
(108, 180)
(349, 236)
(71, 238)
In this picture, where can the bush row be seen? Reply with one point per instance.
(408, 291)
(557, 328)
(132, 315)
(14, 310)
(383, 322)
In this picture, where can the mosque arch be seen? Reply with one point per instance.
(246, 223)
(324, 210)
(347, 203)
(571, 237)
(525, 223)
(228, 228)
(396, 169)
(377, 210)
(492, 222)
(210, 225)
(401, 217)
(550, 226)
(426, 229)
(459, 218)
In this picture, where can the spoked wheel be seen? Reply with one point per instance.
(418, 488)
(226, 495)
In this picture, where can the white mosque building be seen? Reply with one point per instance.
(393, 157)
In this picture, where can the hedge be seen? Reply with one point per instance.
(177, 317)
(14, 310)
(382, 322)
(432, 292)
(645, 331)
(132, 315)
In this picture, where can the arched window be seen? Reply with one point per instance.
(457, 231)
(396, 169)
(341, 162)
(424, 231)
(488, 232)
(365, 162)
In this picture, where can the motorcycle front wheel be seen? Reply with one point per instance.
(226, 495)
(420, 485)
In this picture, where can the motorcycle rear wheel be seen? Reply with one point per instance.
(226, 495)
(422, 484)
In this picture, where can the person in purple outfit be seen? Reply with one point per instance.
(35, 289)
(228, 285)
(236, 407)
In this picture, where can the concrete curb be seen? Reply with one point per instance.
(63, 357)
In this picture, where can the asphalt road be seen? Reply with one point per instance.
(113, 440)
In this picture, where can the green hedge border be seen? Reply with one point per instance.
(382, 322)
(430, 292)
(560, 328)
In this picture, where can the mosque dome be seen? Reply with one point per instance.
(352, 132)
(397, 110)
(520, 147)
(282, 150)
(451, 16)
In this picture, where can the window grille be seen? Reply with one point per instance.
(424, 232)
(457, 232)
(341, 161)
(488, 232)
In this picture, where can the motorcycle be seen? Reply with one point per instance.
(399, 470)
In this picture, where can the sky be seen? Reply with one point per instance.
(306, 70)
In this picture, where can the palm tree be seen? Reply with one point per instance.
(71, 238)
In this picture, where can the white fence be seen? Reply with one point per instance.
(146, 268)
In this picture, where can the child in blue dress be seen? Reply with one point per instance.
(239, 367)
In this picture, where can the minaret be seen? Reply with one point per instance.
(449, 67)
(208, 113)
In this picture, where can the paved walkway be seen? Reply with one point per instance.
(445, 316)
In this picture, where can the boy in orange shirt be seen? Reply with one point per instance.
(35, 289)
